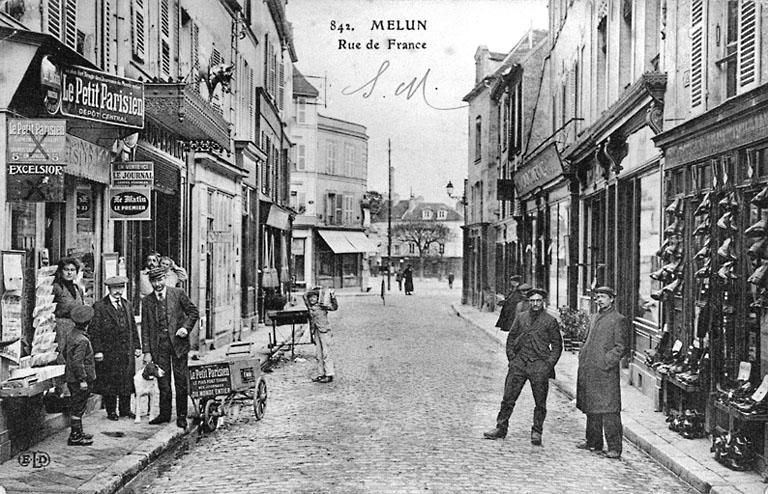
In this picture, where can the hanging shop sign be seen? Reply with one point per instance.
(38, 141)
(102, 97)
(35, 183)
(130, 204)
(50, 85)
(132, 174)
(543, 168)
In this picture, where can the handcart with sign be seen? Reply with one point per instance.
(217, 387)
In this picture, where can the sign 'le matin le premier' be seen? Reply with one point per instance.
(102, 97)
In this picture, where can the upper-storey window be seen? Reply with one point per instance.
(301, 110)
(442, 214)
(741, 47)
(478, 137)
(426, 214)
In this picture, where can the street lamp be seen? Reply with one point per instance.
(464, 240)
(449, 190)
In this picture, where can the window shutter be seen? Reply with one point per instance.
(70, 24)
(195, 33)
(281, 86)
(165, 39)
(138, 30)
(339, 209)
(748, 33)
(698, 54)
(251, 105)
(53, 21)
(106, 43)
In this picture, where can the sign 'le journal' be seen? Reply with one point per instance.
(98, 95)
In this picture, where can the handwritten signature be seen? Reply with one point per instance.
(410, 89)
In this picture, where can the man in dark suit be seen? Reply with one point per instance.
(168, 317)
(534, 346)
(511, 301)
(115, 343)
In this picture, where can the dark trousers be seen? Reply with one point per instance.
(537, 372)
(78, 399)
(168, 361)
(610, 423)
(110, 403)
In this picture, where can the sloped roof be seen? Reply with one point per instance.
(302, 87)
(401, 210)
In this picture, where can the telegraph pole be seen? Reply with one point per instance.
(389, 215)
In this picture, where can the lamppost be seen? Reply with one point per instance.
(440, 269)
(464, 240)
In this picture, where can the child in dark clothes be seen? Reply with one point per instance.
(80, 373)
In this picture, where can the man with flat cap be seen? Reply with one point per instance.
(168, 317)
(534, 346)
(116, 345)
(598, 390)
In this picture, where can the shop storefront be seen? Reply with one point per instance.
(714, 291)
(275, 284)
(56, 155)
(339, 257)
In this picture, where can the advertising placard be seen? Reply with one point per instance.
(102, 97)
(37, 141)
(35, 183)
(209, 380)
(130, 204)
(132, 174)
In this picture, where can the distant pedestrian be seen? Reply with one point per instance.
(408, 278)
(534, 346)
(116, 342)
(399, 279)
(510, 302)
(450, 280)
(168, 317)
(80, 372)
(598, 390)
(319, 301)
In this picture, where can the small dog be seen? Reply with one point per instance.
(145, 382)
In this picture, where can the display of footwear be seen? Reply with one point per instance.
(661, 275)
(664, 245)
(674, 267)
(673, 288)
(756, 231)
(761, 199)
(703, 253)
(495, 433)
(759, 249)
(703, 227)
(675, 207)
(726, 251)
(704, 207)
(758, 277)
(675, 228)
(705, 270)
(727, 222)
(659, 295)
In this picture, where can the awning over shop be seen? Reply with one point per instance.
(342, 242)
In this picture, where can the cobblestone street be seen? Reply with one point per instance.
(415, 388)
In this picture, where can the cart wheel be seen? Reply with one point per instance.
(211, 415)
(260, 398)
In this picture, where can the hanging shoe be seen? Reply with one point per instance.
(703, 227)
(674, 249)
(726, 271)
(674, 267)
(758, 277)
(756, 231)
(673, 288)
(673, 207)
(704, 207)
(659, 295)
(726, 222)
(761, 199)
(675, 228)
(664, 245)
(759, 249)
(703, 253)
(705, 270)
(729, 201)
(661, 275)
(726, 251)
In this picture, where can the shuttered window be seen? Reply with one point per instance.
(106, 41)
(70, 24)
(54, 18)
(61, 21)
(698, 54)
(748, 37)
(165, 39)
(138, 30)
(281, 85)
(195, 33)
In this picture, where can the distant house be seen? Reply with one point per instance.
(437, 263)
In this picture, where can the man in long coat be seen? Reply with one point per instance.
(598, 390)
(115, 343)
(534, 346)
(167, 318)
(509, 305)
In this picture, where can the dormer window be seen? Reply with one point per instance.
(442, 214)
(426, 214)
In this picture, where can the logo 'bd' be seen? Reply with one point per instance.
(129, 203)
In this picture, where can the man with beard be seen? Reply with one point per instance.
(534, 346)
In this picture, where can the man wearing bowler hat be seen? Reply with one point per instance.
(534, 346)
(115, 343)
(598, 390)
(168, 317)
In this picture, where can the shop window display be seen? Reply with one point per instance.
(649, 240)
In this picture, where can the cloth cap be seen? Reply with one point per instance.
(524, 287)
(516, 277)
(116, 281)
(315, 290)
(538, 291)
(606, 290)
(156, 273)
(81, 314)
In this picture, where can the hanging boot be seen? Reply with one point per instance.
(761, 199)
(756, 231)
(726, 251)
(703, 227)
(704, 207)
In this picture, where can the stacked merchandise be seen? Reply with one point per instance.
(687, 367)
(689, 424)
(734, 450)
(671, 252)
(44, 321)
(744, 397)
(758, 253)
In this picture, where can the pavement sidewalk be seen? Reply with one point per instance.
(690, 459)
(120, 449)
